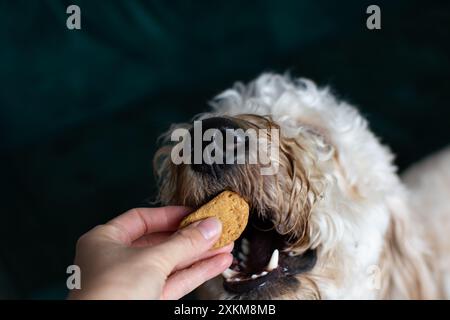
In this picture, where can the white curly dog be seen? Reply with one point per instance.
(336, 221)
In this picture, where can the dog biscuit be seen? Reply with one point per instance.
(230, 209)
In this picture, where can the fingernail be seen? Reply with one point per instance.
(210, 227)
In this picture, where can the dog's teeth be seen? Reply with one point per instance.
(273, 263)
(242, 256)
(245, 246)
(262, 274)
(228, 273)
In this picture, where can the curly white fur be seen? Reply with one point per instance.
(370, 243)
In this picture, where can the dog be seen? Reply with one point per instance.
(335, 221)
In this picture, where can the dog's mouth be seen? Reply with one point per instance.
(262, 256)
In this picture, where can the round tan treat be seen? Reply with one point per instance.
(230, 209)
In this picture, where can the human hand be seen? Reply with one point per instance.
(141, 255)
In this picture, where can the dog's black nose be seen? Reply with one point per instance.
(209, 145)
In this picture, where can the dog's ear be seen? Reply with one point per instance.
(404, 262)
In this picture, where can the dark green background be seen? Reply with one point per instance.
(81, 110)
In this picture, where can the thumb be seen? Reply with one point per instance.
(188, 243)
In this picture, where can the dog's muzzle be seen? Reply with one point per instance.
(263, 258)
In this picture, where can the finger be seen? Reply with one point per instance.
(159, 237)
(186, 280)
(206, 255)
(186, 244)
(151, 239)
(137, 222)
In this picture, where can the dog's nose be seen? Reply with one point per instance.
(205, 143)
